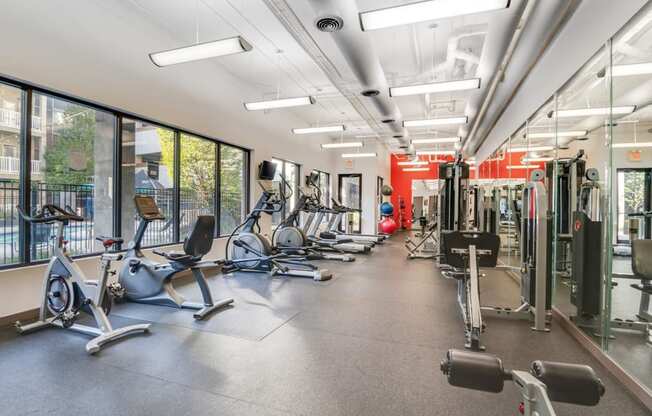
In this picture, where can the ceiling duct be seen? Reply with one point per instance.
(357, 50)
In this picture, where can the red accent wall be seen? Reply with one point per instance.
(402, 181)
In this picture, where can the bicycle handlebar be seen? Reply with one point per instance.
(50, 213)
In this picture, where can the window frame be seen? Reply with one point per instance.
(24, 149)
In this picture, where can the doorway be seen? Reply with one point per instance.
(350, 195)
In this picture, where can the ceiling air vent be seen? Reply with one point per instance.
(329, 23)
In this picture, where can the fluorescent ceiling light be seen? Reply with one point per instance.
(523, 167)
(530, 149)
(416, 169)
(570, 133)
(435, 152)
(624, 70)
(413, 163)
(280, 103)
(340, 145)
(536, 159)
(598, 111)
(351, 155)
(436, 121)
(438, 140)
(426, 10)
(312, 130)
(632, 144)
(464, 84)
(199, 51)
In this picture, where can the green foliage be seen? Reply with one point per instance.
(634, 192)
(73, 141)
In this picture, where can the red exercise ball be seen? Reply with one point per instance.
(387, 225)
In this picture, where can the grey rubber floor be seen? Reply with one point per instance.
(367, 343)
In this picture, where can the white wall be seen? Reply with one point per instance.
(109, 69)
(371, 169)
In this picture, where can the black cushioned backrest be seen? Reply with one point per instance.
(642, 259)
(200, 238)
(463, 239)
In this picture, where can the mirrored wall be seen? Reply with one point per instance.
(592, 143)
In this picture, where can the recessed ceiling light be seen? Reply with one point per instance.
(352, 155)
(435, 121)
(280, 103)
(570, 133)
(597, 111)
(446, 86)
(436, 140)
(632, 144)
(412, 163)
(530, 149)
(426, 10)
(324, 129)
(341, 145)
(536, 159)
(435, 152)
(200, 51)
(623, 70)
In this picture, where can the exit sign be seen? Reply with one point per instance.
(634, 155)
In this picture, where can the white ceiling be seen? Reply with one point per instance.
(108, 42)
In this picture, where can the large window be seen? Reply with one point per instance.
(10, 136)
(74, 169)
(291, 172)
(233, 189)
(198, 180)
(633, 189)
(93, 161)
(324, 187)
(148, 169)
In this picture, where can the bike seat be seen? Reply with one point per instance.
(176, 256)
(109, 241)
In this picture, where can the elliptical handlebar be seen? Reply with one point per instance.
(50, 213)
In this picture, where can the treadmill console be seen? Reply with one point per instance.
(147, 208)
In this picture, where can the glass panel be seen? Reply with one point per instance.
(75, 171)
(197, 180)
(292, 179)
(325, 188)
(350, 196)
(147, 168)
(631, 166)
(232, 188)
(10, 134)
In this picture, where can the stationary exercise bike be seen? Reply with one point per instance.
(249, 251)
(546, 382)
(145, 281)
(67, 291)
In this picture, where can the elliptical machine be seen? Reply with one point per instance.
(249, 251)
(67, 291)
(145, 281)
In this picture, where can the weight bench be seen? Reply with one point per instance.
(466, 252)
(546, 382)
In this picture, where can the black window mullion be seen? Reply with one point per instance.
(24, 230)
(176, 203)
(218, 190)
(117, 177)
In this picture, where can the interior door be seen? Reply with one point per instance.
(350, 195)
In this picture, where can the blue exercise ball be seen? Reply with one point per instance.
(386, 208)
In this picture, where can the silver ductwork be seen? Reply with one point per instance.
(360, 54)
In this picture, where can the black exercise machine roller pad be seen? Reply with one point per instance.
(569, 383)
(474, 371)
